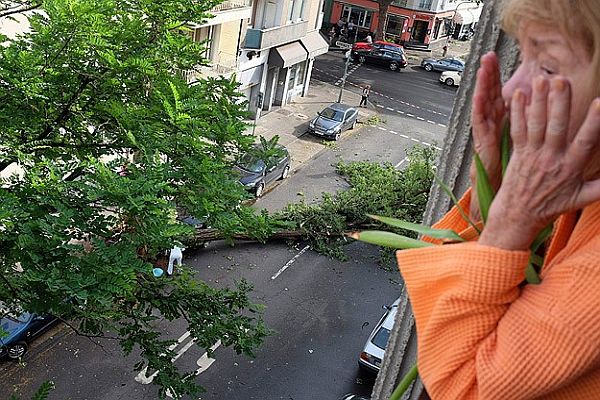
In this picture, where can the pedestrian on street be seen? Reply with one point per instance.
(505, 336)
(365, 95)
(369, 38)
(340, 26)
(351, 30)
(176, 255)
(444, 50)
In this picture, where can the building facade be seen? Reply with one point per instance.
(414, 22)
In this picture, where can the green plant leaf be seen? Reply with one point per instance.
(485, 192)
(422, 229)
(405, 383)
(531, 274)
(389, 239)
(455, 202)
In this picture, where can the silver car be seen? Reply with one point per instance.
(444, 64)
(372, 354)
(332, 121)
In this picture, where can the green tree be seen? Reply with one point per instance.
(384, 6)
(91, 89)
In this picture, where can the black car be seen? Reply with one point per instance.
(393, 59)
(19, 331)
(257, 173)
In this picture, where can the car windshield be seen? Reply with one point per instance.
(10, 323)
(250, 163)
(381, 337)
(330, 113)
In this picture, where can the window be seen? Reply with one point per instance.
(292, 78)
(425, 4)
(358, 15)
(301, 72)
(205, 35)
(395, 24)
(295, 10)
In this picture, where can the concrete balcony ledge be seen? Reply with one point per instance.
(260, 39)
(231, 5)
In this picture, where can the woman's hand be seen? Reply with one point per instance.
(545, 175)
(487, 119)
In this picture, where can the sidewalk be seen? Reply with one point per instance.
(291, 121)
(456, 48)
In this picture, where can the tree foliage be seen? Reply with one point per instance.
(92, 89)
(374, 189)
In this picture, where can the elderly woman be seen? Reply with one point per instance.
(482, 332)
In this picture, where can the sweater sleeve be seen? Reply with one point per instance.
(482, 337)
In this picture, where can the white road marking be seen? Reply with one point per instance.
(290, 262)
(426, 144)
(404, 136)
(381, 128)
(205, 361)
(442, 125)
(410, 115)
(415, 140)
(421, 119)
(394, 133)
(401, 162)
(389, 108)
(401, 112)
(430, 121)
(145, 380)
(380, 106)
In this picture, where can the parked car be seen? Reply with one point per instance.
(393, 59)
(451, 78)
(444, 64)
(257, 173)
(19, 331)
(332, 121)
(372, 354)
(378, 44)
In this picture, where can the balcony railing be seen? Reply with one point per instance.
(223, 65)
(231, 5)
(266, 38)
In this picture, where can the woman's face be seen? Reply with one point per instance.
(547, 52)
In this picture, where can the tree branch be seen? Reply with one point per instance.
(12, 10)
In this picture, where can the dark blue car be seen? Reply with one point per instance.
(18, 331)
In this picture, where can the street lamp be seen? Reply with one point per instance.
(453, 25)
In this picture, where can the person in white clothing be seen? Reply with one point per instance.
(369, 38)
(176, 255)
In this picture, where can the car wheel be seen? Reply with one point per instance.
(286, 172)
(449, 82)
(17, 350)
(393, 66)
(353, 125)
(428, 67)
(260, 189)
(361, 59)
(337, 136)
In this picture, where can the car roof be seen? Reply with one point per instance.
(388, 323)
(340, 107)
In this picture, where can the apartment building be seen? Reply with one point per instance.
(414, 22)
(278, 51)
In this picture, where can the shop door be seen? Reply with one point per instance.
(419, 31)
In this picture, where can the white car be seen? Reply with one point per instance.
(451, 78)
(372, 354)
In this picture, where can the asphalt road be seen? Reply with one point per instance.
(413, 91)
(322, 310)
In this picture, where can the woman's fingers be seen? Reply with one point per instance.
(538, 112)
(585, 144)
(559, 110)
(518, 121)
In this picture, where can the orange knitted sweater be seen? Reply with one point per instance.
(482, 335)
